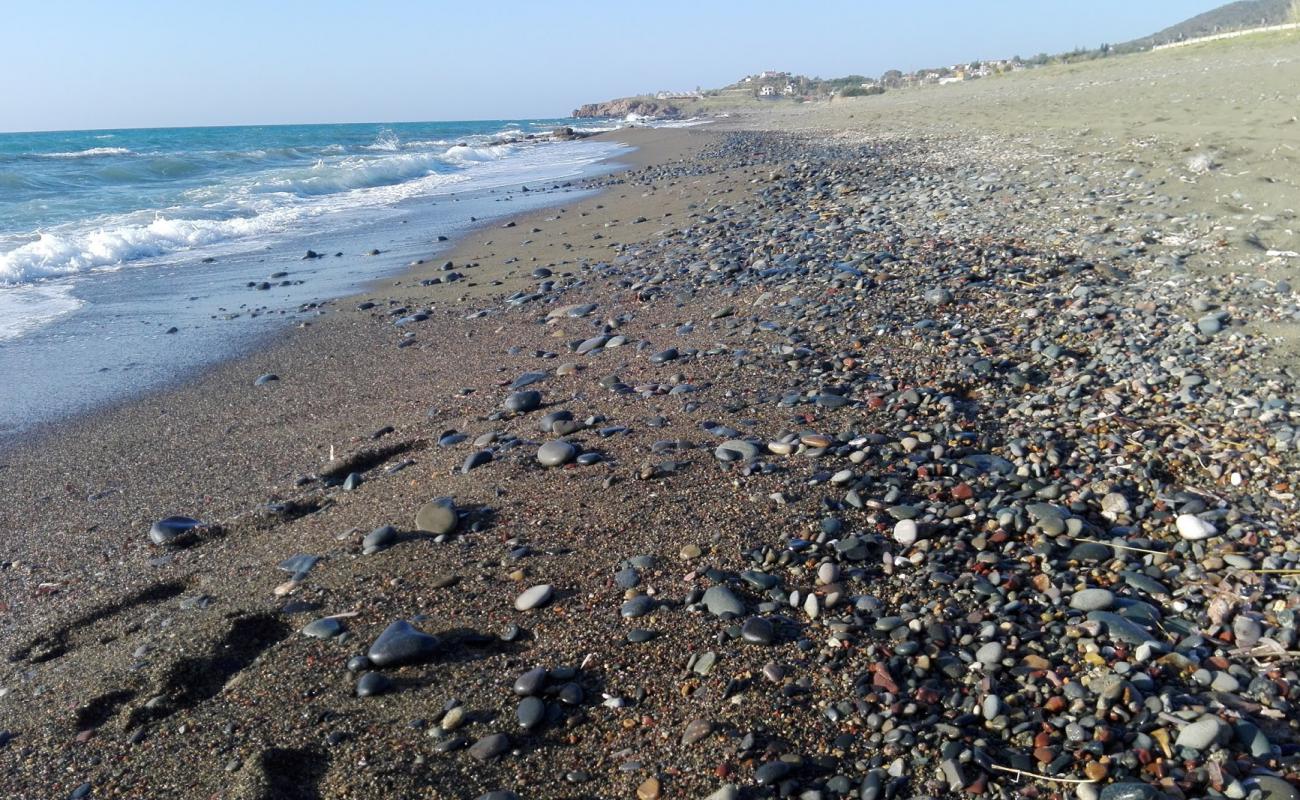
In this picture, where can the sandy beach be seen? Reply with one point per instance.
(933, 444)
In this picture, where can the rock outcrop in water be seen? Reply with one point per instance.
(628, 105)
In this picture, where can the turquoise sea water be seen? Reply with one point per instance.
(109, 239)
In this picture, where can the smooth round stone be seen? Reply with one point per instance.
(263, 380)
(546, 423)
(696, 730)
(638, 606)
(452, 719)
(829, 572)
(587, 459)
(437, 517)
(989, 654)
(523, 402)
(757, 630)
(1246, 631)
(380, 538)
(627, 578)
(489, 747)
(1193, 528)
(556, 453)
(736, 450)
(719, 600)
(1092, 599)
(373, 683)
(326, 628)
(640, 635)
(531, 682)
(401, 643)
(531, 712)
(1200, 734)
(905, 532)
(1115, 504)
(938, 296)
(771, 772)
(359, 663)
(169, 530)
(534, 597)
(499, 794)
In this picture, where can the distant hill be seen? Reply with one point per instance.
(1230, 17)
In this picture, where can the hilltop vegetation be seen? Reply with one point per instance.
(1231, 17)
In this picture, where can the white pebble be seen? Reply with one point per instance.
(905, 532)
(1193, 528)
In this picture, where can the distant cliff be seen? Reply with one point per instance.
(629, 105)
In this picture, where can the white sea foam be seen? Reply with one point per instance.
(290, 201)
(24, 308)
(385, 142)
(93, 152)
(465, 153)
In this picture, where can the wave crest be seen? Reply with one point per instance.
(93, 152)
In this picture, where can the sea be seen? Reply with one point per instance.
(132, 258)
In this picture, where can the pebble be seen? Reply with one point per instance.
(401, 643)
(758, 630)
(1092, 599)
(556, 453)
(379, 539)
(1200, 734)
(172, 530)
(649, 789)
(1193, 528)
(438, 517)
(489, 747)
(531, 712)
(720, 601)
(905, 532)
(696, 730)
(523, 402)
(371, 684)
(534, 597)
(326, 628)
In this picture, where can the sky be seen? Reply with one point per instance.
(84, 64)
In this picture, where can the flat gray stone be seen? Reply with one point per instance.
(489, 747)
(326, 628)
(1092, 599)
(720, 600)
(437, 517)
(379, 539)
(1200, 734)
(556, 453)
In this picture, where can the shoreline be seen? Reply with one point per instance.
(215, 313)
(874, 483)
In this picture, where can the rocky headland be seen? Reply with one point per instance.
(650, 109)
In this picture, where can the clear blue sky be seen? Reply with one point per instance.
(71, 64)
